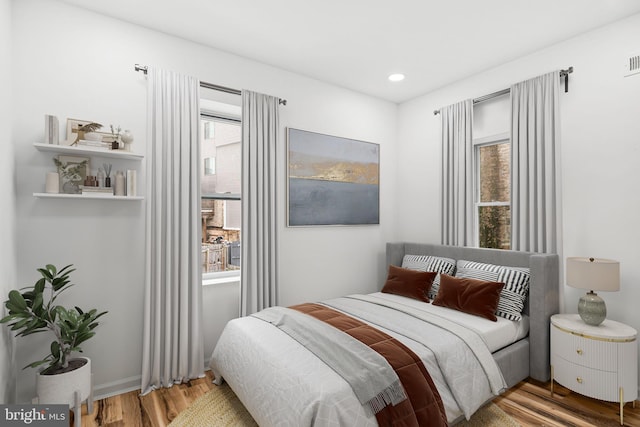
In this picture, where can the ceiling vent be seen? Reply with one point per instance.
(632, 65)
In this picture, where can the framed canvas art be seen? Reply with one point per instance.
(331, 180)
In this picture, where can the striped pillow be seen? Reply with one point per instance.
(515, 279)
(430, 263)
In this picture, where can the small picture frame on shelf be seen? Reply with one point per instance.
(73, 125)
(71, 175)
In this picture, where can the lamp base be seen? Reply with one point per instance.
(592, 309)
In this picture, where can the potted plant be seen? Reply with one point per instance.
(32, 310)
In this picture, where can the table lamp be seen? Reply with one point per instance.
(593, 274)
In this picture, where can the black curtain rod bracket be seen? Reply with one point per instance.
(206, 85)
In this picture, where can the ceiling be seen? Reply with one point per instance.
(356, 44)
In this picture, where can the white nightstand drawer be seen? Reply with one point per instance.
(589, 382)
(583, 351)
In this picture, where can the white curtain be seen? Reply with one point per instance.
(260, 127)
(457, 174)
(535, 143)
(173, 341)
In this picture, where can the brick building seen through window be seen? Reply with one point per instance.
(494, 195)
(220, 188)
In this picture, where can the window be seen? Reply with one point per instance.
(220, 205)
(493, 192)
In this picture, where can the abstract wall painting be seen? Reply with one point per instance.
(332, 180)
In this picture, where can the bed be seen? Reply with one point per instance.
(282, 383)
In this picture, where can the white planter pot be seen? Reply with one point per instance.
(61, 388)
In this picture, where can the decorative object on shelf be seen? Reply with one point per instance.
(51, 129)
(93, 136)
(97, 191)
(119, 189)
(81, 130)
(90, 181)
(107, 171)
(593, 274)
(100, 177)
(73, 171)
(95, 144)
(52, 183)
(131, 183)
(115, 133)
(34, 310)
(72, 129)
(127, 139)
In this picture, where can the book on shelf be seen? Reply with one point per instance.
(95, 144)
(96, 194)
(92, 194)
(97, 190)
(51, 132)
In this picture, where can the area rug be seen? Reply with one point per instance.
(221, 407)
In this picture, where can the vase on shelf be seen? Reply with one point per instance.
(127, 139)
(52, 183)
(70, 187)
(119, 188)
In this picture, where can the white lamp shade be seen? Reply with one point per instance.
(594, 274)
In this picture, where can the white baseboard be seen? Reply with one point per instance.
(125, 385)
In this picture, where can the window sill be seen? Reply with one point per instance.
(220, 280)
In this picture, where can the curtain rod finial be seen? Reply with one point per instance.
(142, 68)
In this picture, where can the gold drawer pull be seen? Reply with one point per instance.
(579, 380)
(579, 351)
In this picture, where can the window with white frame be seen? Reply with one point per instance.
(492, 195)
(221, 193)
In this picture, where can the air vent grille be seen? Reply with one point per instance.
(632, 65)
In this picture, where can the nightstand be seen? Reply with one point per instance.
(595, 361)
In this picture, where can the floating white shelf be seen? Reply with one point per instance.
(81, 196)
(84, 196)
(89, 151)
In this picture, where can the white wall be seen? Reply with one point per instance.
(600, 122)
(7, 213)
(76, 64)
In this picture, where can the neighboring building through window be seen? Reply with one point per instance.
(492, 173)
(493, 193)
(220, 188)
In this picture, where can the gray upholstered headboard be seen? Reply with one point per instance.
(542, 302)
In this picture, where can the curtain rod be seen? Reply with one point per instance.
(563, 73)
(206, 85)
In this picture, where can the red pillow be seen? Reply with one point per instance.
(409, 283)
(471, 296)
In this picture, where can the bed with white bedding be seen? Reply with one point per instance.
(282, 383)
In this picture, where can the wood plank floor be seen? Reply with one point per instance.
(529, 403)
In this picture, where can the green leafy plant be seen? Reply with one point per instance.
(70, 171)
(33, 310)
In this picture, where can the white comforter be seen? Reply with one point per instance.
(283, 384)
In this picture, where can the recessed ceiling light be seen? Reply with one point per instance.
(396, 77)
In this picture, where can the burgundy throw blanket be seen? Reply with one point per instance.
(423, 407)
